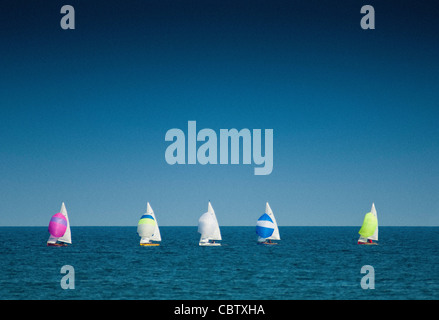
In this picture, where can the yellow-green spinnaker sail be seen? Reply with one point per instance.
(369, 226)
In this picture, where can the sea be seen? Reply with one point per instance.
(309, 263)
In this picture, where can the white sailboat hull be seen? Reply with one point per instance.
(209, 244)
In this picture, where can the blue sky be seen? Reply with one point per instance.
(84, 112)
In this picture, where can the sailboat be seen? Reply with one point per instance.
(266, 227)
(369, 229)
(148, 228)
(59, 229)
(209, 228)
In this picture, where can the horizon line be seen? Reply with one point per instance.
(40, 226)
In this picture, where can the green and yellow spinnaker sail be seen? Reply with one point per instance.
(369, 226)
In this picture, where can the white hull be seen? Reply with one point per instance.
(209, 244)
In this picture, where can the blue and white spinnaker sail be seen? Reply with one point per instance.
(264, 226)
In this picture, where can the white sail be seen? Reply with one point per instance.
(52, 239)
(374, 212)
(208, 226)
(67, 237)
(275, 235)
(156, 235)
(145, 240)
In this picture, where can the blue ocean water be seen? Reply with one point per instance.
(309, 263)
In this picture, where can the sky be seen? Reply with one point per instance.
(354, 112)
